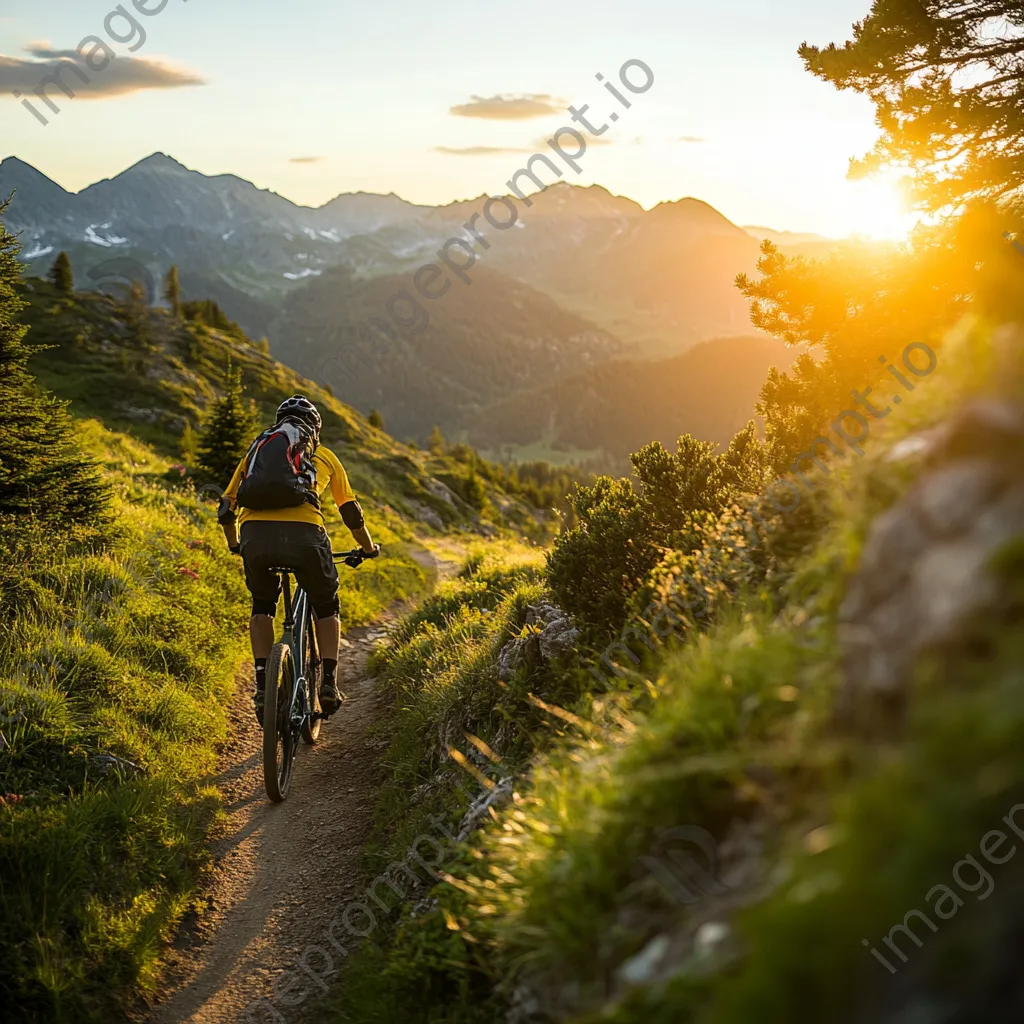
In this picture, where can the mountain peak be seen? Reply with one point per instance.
(696, 212)
(34, 186)
(158, 162)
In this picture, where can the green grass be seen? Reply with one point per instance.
(120, 646)
(733, 732)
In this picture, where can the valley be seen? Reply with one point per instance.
(640, 286)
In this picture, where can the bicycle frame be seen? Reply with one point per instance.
(296, 716)
(298, 619)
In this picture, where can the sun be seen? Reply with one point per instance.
(878, 208)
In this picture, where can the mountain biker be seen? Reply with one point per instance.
(295, 537)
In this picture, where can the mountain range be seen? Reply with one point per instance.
(590, 278)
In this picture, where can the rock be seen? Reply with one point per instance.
(523, 650)
(949, 499)
(425, 514)
(643, 968)
(434, 487)
(109, 762)
(552, 634)
(926, 578)
(558, 637)
(478, 810)
(991, 428)
(709, 937)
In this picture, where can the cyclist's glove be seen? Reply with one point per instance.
(357, 558)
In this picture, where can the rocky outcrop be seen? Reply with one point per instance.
(927, 576)
(549, 634)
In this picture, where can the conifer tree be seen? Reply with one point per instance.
(137, 313)
(473, 490)
(172, 292)
(61, 276)
(436, 442)
(375, 419)
(228, 432)
(187, 444)
(945, 78)
(43, 472)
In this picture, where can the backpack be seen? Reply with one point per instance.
(279, 471)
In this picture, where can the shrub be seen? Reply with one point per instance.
(594, 568)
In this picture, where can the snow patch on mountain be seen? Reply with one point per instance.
(107, 242)
(39, 250)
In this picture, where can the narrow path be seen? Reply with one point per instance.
(282, 871)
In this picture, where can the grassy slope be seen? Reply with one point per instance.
(152, 387)
(826, 838)
(123, 648)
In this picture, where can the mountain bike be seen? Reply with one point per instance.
(291, 709)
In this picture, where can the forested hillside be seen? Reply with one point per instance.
(459, 355)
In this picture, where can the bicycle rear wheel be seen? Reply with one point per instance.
(311, 670)
(278, 741)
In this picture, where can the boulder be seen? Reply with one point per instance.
(926, 579)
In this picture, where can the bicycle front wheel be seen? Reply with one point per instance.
(278, 741)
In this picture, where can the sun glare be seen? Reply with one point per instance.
(878, 208)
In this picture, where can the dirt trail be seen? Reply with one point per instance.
(282, 871)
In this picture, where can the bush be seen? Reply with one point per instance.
(595, 568)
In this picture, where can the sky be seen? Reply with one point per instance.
(444, 101)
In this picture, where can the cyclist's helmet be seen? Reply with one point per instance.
(300, 408)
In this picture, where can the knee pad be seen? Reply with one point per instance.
(325, 609)
(264, 607)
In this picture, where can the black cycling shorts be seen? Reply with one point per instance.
(301, 547)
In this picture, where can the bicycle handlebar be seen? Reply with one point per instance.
(355, 557)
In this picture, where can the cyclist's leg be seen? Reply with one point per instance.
(258, 555)
(318, 576)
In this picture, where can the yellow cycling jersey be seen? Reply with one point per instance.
(329, 471)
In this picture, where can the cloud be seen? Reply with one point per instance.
(306, 160)
(121, 77)
(476, 150)
(539, 146)
(689, 138)
(509, 107)
(566, 140)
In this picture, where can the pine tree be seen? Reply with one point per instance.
(436, 442)
(42, 470)
(61, 276)
(137, 313)
(228, 432)
(945, 77)
(473, 490)
(375, 419)
(187, 444)
(172, 292)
